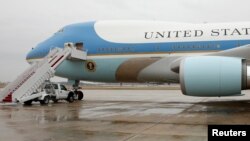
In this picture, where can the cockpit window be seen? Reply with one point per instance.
(59, 31)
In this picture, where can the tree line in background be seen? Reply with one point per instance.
(2, 84)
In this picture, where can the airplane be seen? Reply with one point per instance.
(208, 60)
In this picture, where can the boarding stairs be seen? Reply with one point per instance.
(30, 80)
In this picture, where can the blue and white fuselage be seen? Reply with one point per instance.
(139, 51)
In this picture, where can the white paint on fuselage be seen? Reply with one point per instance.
(163, 32)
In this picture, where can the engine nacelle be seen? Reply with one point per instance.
(214, 76)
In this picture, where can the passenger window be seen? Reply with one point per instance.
(47, 86)
(60, 30)
(55, 86)
(63, 87)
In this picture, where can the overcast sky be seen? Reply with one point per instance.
(24, 23)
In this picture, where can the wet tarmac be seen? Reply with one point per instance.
(123, 115)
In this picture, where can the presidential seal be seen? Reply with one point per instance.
(90, 65)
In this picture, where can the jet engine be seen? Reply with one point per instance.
(210, 76)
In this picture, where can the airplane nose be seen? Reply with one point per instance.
(43, 48)
(29, 55)
(36, 53)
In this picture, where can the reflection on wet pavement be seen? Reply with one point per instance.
(116, 115)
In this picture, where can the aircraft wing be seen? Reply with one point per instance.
(165, 69)
(239, 52)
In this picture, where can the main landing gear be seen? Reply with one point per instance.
(78, 94)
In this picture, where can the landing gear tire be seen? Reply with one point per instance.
(27, 103)
(80, 95)
(45, 101)
(70, 98)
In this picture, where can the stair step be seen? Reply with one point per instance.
(23, 86)
(8, 98)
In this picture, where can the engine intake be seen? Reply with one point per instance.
(214, 76)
